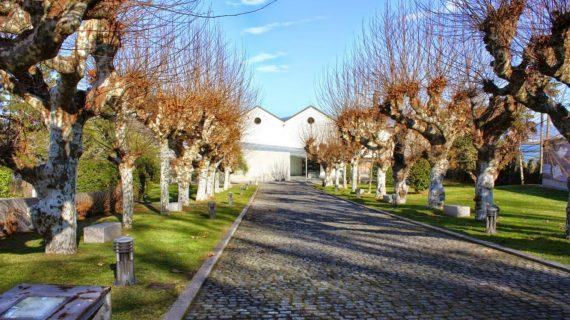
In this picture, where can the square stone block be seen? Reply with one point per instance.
(387, 198)
(456, 211)
(102, 232)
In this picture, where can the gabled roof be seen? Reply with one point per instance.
(293, 116)
(305, 109)
(266, 111)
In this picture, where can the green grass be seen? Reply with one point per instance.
(168, 251)
(532, 219)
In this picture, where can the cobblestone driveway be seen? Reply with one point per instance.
(303, 255)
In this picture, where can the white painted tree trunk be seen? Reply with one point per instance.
(126, 172)
(184, 177)
(328, 177)
(436, 196)
(400, 187)
(381, 182)
(227, 184)
(484, 188)
(354, 182)
(55, 215)
(344, 180)
(217, 181)
(568, 212)
(164, 176)
(337, 176)
(211, 182)
(201, 194)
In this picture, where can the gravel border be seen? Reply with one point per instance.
(492, 245)
(181, 305)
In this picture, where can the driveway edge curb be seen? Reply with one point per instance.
(489, 244)
(178, 309)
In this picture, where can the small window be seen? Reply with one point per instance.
(311, 120)
(257, 120)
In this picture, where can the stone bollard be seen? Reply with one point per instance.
(335, 188)
(125, 272)
(230, 199)
(491, 220)
(212, 209)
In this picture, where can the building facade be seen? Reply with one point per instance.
(556, 167)
(273, 147)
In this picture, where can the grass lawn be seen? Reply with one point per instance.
(168, 251)
(532, 219)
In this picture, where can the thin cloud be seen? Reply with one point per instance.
(262, 57)
(273, 68)
(270, 26)
(246, 3)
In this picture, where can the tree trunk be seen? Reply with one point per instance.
(227, 184)
(337, 176)
(126, 172)
(436, 197)
(568, 212)
(210, 182)
(354, 182)
(400, 174)
(184, 174)
(201, 194)
(521, 166)
(486, 175)
(164, 176)
(55, 215)
(328, 177)
(344, 182)
(217, 181)
(370, 176)
(381, 182)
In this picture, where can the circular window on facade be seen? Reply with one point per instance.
(311, 120)
(257, 120)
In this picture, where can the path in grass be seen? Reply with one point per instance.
(302, 254)
(532, 218)
(168, 251)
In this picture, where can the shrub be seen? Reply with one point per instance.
(5, 181)
(147, 170)
(96, 175)
(419, 175)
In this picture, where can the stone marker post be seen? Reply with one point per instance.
(230, 199)
(212, 209)
(491, 225)
(125, 272)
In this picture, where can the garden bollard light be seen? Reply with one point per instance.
(125, 272)
(230, 199)
(491, 219)
(212, 209)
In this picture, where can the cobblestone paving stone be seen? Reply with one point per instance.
(300, 254)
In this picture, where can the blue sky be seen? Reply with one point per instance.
(291, 42)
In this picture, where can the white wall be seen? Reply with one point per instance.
(265, 166)
(268, 146)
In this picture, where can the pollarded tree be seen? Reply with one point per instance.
(528, 42)
(409, 147)
(327, 149)
(33, 35)
(412, 68)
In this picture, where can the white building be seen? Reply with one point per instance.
(273, 147)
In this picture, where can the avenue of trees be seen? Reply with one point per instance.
(424, 78)
(141, 74)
